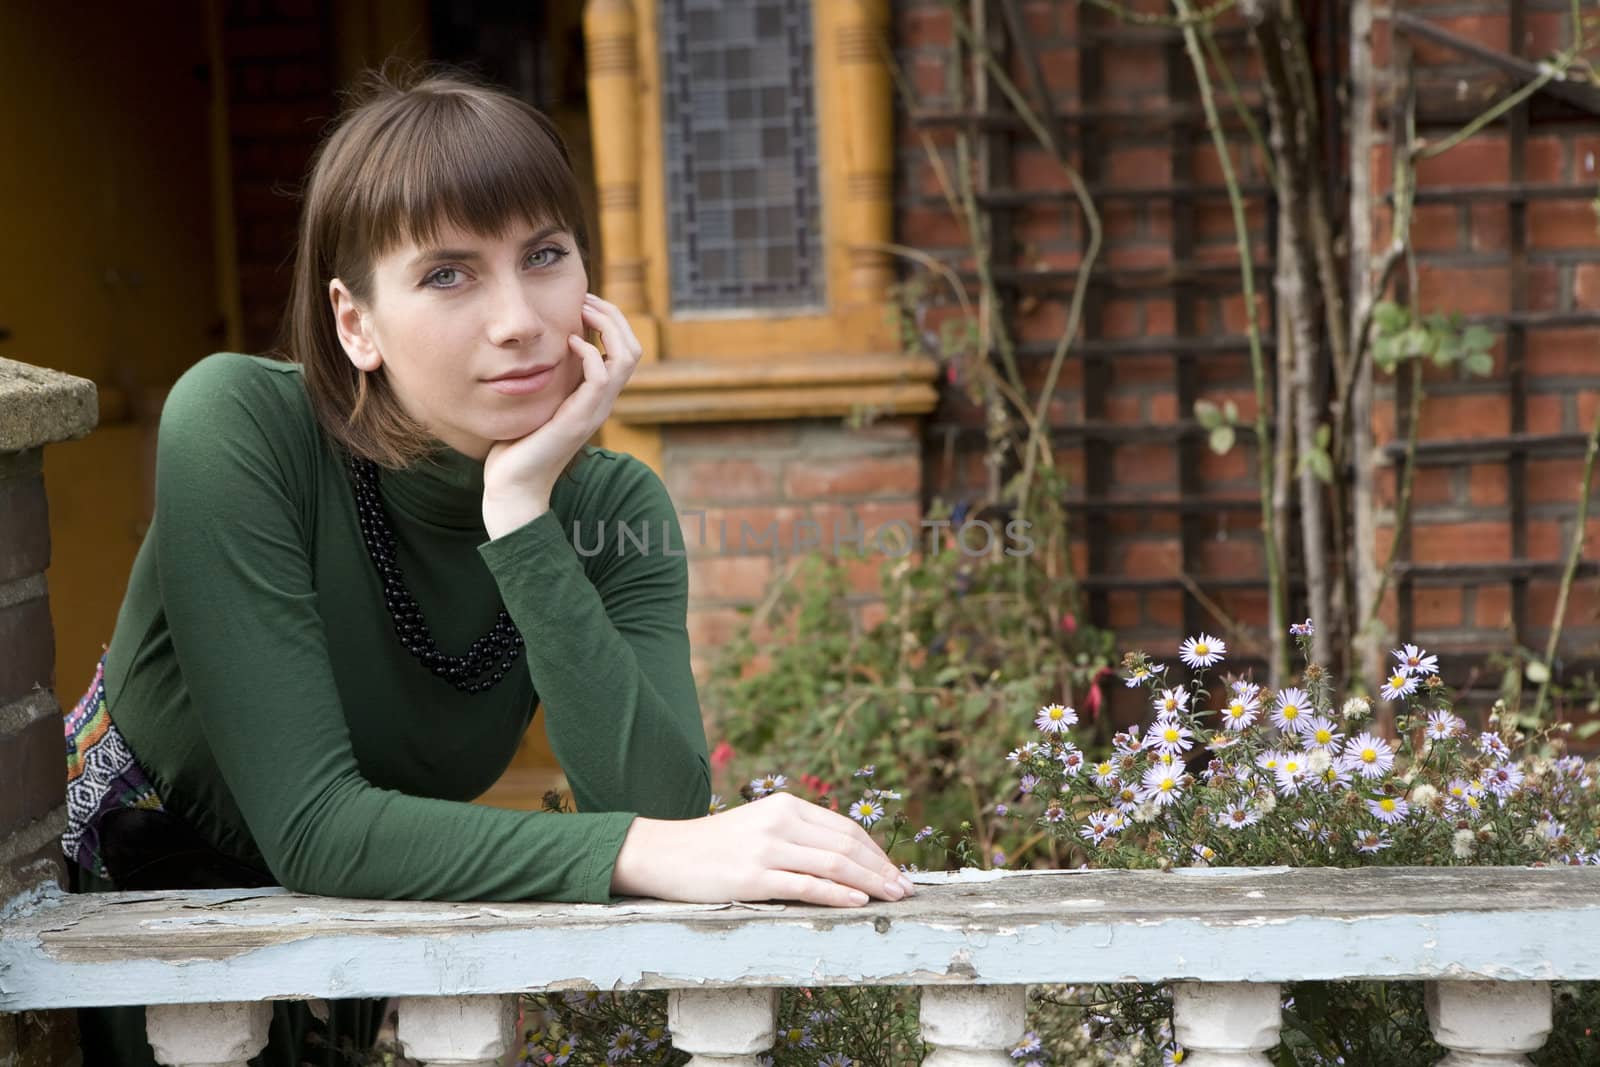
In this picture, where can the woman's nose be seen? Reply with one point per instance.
(514, 318)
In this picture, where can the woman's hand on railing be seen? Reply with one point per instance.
(777, 848)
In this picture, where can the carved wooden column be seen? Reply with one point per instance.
(458, 1031)
(611, 35)
(866, 137)
(207, 1035)
(1220, 1024)
(972, 1026)
(723, 1027)
(1488, 1023)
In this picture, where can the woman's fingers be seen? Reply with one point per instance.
(633, 347)
(788, 885)
(836, 867)
(864, 855)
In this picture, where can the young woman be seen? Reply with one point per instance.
(361, 579)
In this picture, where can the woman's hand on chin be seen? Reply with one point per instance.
(779, 847)
(519, 475)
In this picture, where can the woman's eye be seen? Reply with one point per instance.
(550, 252)
(441, 277)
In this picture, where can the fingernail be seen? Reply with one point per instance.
(911, 890)
(893, 889)
(857, 897)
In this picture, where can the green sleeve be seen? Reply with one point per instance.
(610, 655)
(234, 470)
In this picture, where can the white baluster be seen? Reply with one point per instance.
(722, 1027)
(1223, 1024)
(459, 1031)
(207, 1035)
(972, 1026)
(1488, 1024)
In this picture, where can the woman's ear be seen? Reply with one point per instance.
(353, 328)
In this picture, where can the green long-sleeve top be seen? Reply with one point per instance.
(257, 677)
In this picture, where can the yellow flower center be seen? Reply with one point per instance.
(1236, 709)
(1387, 804)
(1202, 649)
(1167, 784)
(1369, 755)
(1397, 682)
(1324, 736)
(1290, 711)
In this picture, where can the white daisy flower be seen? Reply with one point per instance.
(1291, 773)
(1202, 651)
(1503, 780)
(1098, 827)
(1055, 718)
(1270, 760)
(1314, 830)
(1442, 725)
(1241, 711)
(1292, 711)
(1355, 709)
(1143, 673)
(1172, 701)
(1170, 736)
(1023, 753)
(1388, 809)
(1414, 660)
(1126, 799)
(1302, 629)
(835, 1059)
(1321, 733)
(1332, 777)
(1319, 760)
(867, 811)
(1104, 774)
(1372, 840)
(1203, 855)
(1174, 1056)
(769, 784)
(715, 805)
(1162, 785)
(1493, 745)
(1369, 756)
(1400, 684)
(1237, 816)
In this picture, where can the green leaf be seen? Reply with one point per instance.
(1321, 466)
(1587, 730)
(1478, 338)
(1230, 411)
(1222, 440)
(1207, 414)
(1480, 364)
(1537, 672)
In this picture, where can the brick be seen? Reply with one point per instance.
(722, 578)
(1490, 227)
(1163, 608)
(1562, 224)
(24, 528)
(1231, 558)
(870, 615)
(735, 435)
(708, 480)
(1464, 415)
(1136, 464)
(1554, 481)
(1137, 166)
(1124, 70)
(1238, 465)
(1123, 609)
(1491, 607)
(33, 768)
(1582, 608)
(1546, 413)
(29, 643)
(927, 27)
(1488, 485)
(853, 477)
(1434, 228)
(1436, 608)
(1556, 353)
(1484, 159)
(1470, 290)
(1544, 159)
(1461, 542)
(1035, 170)
(1586, 285)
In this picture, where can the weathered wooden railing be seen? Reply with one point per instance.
(1488, 941)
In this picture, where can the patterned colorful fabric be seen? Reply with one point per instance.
(102, 775)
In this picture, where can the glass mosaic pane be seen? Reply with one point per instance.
(743, 208)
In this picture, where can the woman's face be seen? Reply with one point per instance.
(459, 327)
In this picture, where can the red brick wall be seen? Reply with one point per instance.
(778, 475)
(1465, 255)
(1466, 512)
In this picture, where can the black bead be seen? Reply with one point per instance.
(494, 653)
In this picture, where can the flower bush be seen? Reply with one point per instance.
(1224, 772)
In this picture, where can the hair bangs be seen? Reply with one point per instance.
(452, 162)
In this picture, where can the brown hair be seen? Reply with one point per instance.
(414, 150)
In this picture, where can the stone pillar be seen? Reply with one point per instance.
(37, 407)
(207, 1035)
(973, 1026)
(723, 1027)
(1486, 1023)
(1220, 1023)
(458, 1031)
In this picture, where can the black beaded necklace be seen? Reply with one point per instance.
(491, 656)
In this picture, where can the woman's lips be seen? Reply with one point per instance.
(518, 386)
